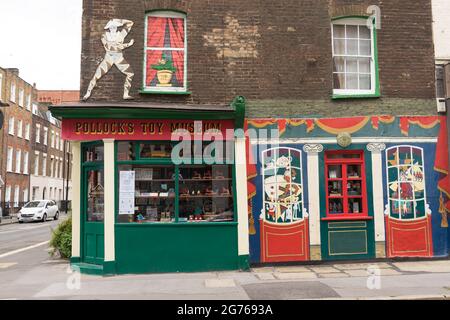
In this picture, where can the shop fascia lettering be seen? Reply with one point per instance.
(145, 128)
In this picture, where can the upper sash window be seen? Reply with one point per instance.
(165, 52)
(354, 67)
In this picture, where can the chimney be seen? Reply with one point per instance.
(13, 71)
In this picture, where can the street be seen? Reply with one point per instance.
(28, 272)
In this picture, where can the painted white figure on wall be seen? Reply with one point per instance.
(114, 43)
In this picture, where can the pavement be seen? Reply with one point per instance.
(27, 271)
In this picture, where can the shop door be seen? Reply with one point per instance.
(93, 215)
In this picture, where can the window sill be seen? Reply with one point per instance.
(180, 93)
(347, 218)
(355, 96)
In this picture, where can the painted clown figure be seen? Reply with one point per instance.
(113, 42)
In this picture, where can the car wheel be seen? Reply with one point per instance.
(44, 217)
(20, 221)
(56, 217)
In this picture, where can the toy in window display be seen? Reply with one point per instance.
(207, 175)
(173, 175)
(225, 191)
(196, 175)
(219, 175)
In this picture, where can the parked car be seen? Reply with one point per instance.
(38, 210)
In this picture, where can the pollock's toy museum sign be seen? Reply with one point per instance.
(137, 129)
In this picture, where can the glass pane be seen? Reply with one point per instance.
(95, 195)
(354, 188)
(155, 150)
(354, 171)
(394, 191)
(335, 188)
(352, 32)
(365, 82)
(355, 206)
(146, 193)
(365, 48)
(125, 151)
(94, 153)
(339, 47)
(352, 47)
(165, 32)
(352, 81)
(339, 64)
(393, 174)
(352, 65)
(335, 172)
(206, 193)
(364, 65)
(165, 69)
(406, 191)
(364, 32)
(339, 31)
(417, 156)
(339, 81)
(392, 157)
(335, 206)
(405, 155)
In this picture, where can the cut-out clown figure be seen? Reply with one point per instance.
(113, 42)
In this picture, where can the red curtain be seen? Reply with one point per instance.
(176, 29)
(156, 28)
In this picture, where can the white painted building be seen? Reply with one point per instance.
(441, 30)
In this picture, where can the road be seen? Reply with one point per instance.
(28, 272)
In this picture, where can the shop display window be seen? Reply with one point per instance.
(406, 182)
(152, 189)
(345, 183)
(95, 195)
(93, 153)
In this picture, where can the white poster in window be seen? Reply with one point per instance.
(126, 192)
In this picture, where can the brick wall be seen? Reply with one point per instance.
(275, 53)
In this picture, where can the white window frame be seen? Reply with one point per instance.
(21, 97)
(25, 195)
(36, 163)
(9, 159)
(52, 139)
(45, 136)
(34, 109)
(11, 124)
(355, 22)
(1, 86)
(16, 196)
(18, 160)
(12, 93)
(57, 141)
(28, 102)
(165, 14)
(27, 132)
(44, 164)
(20, 128)
(26, 156)
(8, 193)
(38, 133)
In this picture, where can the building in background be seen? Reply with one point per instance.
(30, 167)
(15, 140)
(55, 97)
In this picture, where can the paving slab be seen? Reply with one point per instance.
(334, 275)
(424, 266)
(324, 269)
(357, 272)
(265, 276)
(263, 269)
(220, 283)
(289, 290)
(357, 266)
(295, 276)
(292, 269)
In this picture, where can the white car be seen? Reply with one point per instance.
(38, 210)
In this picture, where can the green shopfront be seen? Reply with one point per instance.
(157, 188)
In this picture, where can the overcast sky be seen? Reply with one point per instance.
(43, 39)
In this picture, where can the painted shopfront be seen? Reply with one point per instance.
(348, 188)
(140, 208)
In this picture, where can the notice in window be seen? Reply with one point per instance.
(126, 192)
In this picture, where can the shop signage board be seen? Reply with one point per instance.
(143, 129)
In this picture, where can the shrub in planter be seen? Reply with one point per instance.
(61, 241)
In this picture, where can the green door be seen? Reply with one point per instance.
(93, 215)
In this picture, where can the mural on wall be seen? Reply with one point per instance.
(408, 215)
(415, 185)
(165, 53)
(283, 220)
(113, 41)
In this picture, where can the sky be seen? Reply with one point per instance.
(42, 38)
